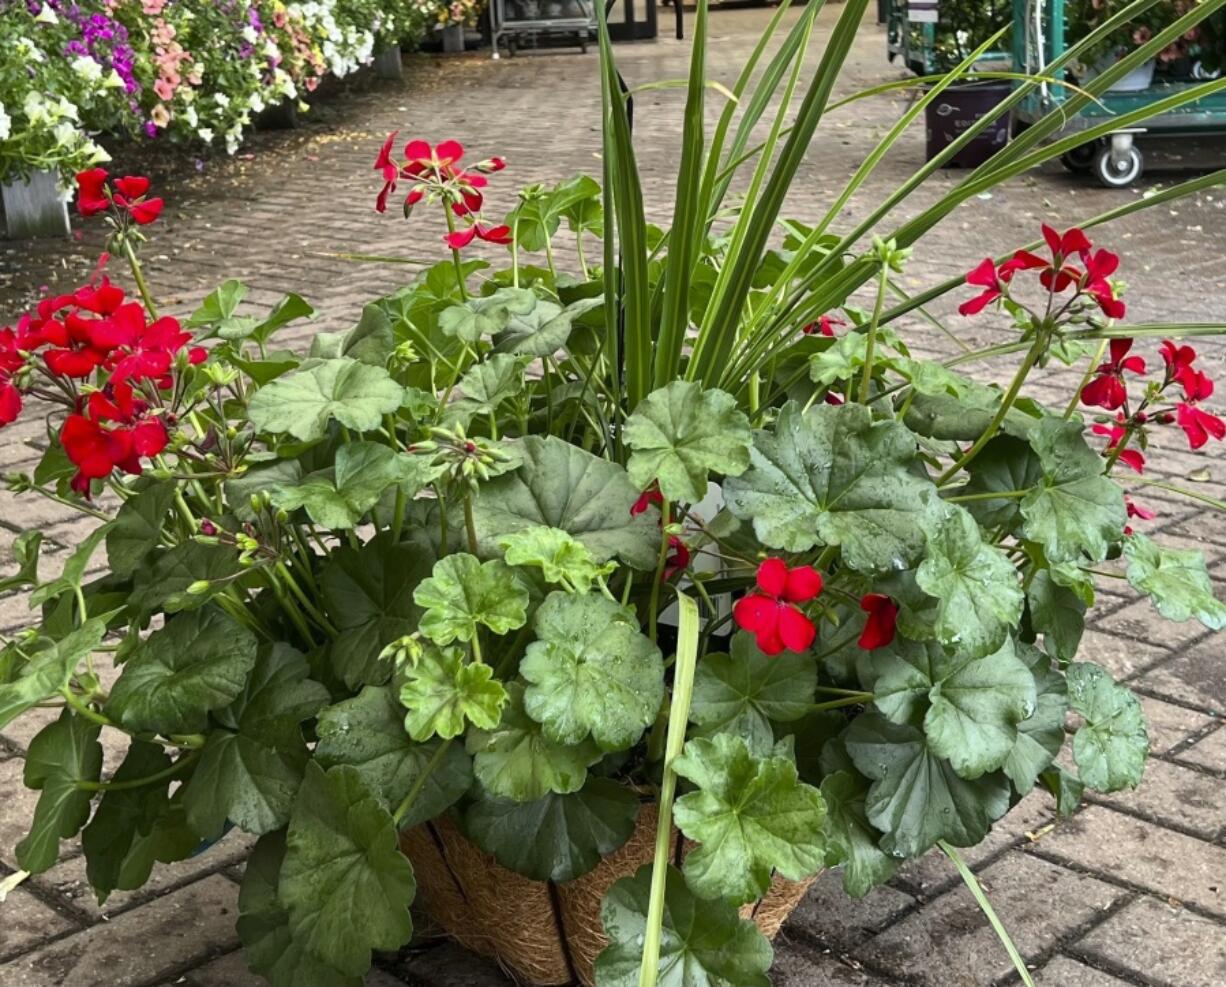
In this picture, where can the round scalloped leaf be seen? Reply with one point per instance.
(1112, 745)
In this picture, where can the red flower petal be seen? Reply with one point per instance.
(460, 238)
(803, 584)
(882, 617)
(1106, 391)
(10, 402)
(1134, 459)
(983, 275)
(146, 212)
(449, 152)
(91, 195)
(133, 186)
(977, 304)
(795, 629)
(757, 614)
(773, 577)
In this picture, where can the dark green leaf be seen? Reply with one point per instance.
(340, 496)
(864, 863)
(74, 569)
(487, 315)
(198, 662)
(1057, 613)
(372, 340)
(485, 386)
(163, 585)
(1006, 464)
(559, 837)
(544, 330)
(1040, 737)
(1112, 745)
(138, 527)
(25, 550)
(47, 671)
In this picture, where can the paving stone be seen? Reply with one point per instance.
(231, 971)
(1141, 621)
(950, 943)
(1162, 944)
(1209, 752)
(798, 965)
(67, 879)
(1170, 725)
(16, 811)
(1121, 656)
(1179, 797)
(25, 921)
(829, 917)
(1194, 677)
(1066, 972)
(1128, 849)
(139, 947)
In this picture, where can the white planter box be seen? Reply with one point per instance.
(33, 208)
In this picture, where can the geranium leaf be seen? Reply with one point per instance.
(518, 761)
(373, 339)
(556, 838)
(750, 816)
(463, 594)
(138, 527)
(344, 882)
(979, 598)
(1075, 512)
(544, 330)
(916, 797)
(197, 663)
(1066, 788)
(263, 926)
(368, 594)
(562, 486)
(1006, 464)
(443, 693)
(967, 415)
(73, 572)
(485, 386)
(163, 585)
(340, 496)
(865, 865)
(487, 315)
(680, 434)
(1040, 737)
(25, 551)
(1057, 613)
(61, 754)
(591, 672)
(367, 733)
(741, 693)
(561, 559)
(302, 403)
(702, 943)
(1175, 580)
(832, 476)
(47, 671)
(252, 762)
(1112, 745)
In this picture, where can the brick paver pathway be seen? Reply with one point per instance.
(1130, 891)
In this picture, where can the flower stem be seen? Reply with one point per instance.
(420, 783)
(123, 786)
(653, 612)
(470, 524)
(986, 495)
(455, 254)
(138, 276)
(867, 376)
(1098, 359)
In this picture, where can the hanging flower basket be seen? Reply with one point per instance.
(546, 934)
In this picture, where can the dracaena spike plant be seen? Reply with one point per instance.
(449, 562)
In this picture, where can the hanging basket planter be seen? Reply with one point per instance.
(546, 934)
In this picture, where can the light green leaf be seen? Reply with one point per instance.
(680, 434)
(368, 595)
(302, 403)
(1057, 613)
(559, 837)
(544, 330)
(843, 359)
(463, 594)
(591, 672)
(1175, 580)
(367, 733)
(833, 476)
(48, 670)
(977, 589)
(1040, 737)
(702, 943)
(561, 559)
(916, 797)
(864, 863)
(442, 693)
(197, 663)
(931, 378)
(339, 497)
(263, 925)
(61, 754)
(487, 315)
(344, 882)
(485, 386)
(138, 527)
(562, 486)
(1075, 513)
(1066, 788)
(743, 692)
(971, 706)
(253, 760)
(518, 761)
(750, 816)
(1112, 745)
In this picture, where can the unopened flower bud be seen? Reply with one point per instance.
(1166, 418)
(207, 527)
(199, 587)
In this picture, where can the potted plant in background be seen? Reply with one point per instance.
(407, 590)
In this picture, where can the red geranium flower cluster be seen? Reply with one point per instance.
(1107, 389)
(436, 174)
(97, 193)
(115, 430)
(1197, 424)
(771, 614)
(1055, 274)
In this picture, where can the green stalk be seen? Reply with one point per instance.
(987, 495)
(123, 786)
(866, 377)
(989, 912)
(138, 276)
(1098, 359)
(1184, 491)
(470, 524)
(678, 717)
(420, 782)
(455, 254)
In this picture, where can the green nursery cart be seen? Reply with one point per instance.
(1115, 160)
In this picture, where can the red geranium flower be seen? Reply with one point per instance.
(824, 325)
(1198, 425)
(1107, 389)
(96, 449)
(1178, 359)
(678, 558)
(984, 276)
(130, 195)
(1057, 275)
(882, 616)
(1137, 511)
(648, 497)
(771, 615)
(10, 400)
(1100, 265)
(91, 192)
(1132, 458)
(490, 234)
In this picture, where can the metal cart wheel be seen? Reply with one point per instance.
(1118, 167)
(1080, 160)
